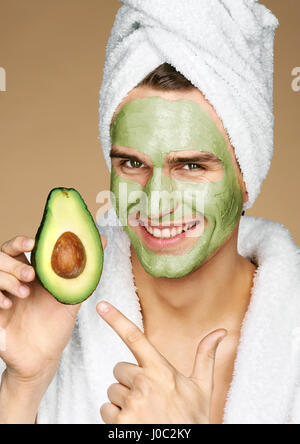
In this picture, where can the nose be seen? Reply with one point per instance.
(162, 196)
(159, 182)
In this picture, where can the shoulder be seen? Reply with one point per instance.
(272, 239)
(262, 228)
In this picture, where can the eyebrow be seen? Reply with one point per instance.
(201, 157)
(116, 153)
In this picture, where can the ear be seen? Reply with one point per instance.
(242, 184)
(245, 192)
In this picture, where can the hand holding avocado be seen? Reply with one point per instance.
(34, 326)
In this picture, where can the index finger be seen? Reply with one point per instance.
(144, 352)
(17, 246)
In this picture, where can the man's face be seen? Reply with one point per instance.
(175, 182)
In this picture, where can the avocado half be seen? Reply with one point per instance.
(68, 252)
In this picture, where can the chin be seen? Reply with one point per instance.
(167, 267)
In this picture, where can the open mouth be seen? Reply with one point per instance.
(171, 232)
(166, 237)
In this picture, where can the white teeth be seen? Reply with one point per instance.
(173, 232)
(188, 227)
(179, 230)
(157, 232)
(150, 230)
(167, 233)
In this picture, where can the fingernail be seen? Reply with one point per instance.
(24, 291)
(29, 244)
(103, 307)
(26, 273)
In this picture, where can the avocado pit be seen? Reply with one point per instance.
(68, 257)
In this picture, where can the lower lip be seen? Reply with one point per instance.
(160, 242)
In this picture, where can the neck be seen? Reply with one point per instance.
(216, 295)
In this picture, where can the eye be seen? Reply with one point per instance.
(135, 164)
(193, 167)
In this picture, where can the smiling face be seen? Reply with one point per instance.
(177, 188)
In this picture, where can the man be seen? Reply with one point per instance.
(219, 297)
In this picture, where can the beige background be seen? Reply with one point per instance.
(53, 53)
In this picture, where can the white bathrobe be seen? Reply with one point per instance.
(266, 383)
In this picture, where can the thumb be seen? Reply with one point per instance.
(204, 365)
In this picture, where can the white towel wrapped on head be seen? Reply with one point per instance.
(224, 47)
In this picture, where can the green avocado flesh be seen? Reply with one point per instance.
(68, 253)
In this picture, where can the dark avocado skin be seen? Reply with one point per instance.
(38, 235)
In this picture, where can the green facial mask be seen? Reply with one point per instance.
(157, 127)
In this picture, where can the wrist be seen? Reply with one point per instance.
(20, 400)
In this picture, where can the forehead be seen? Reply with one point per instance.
(156, 126)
